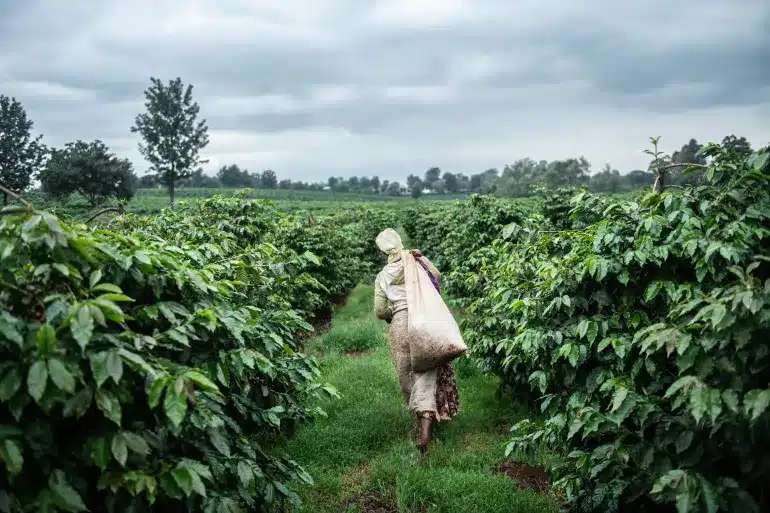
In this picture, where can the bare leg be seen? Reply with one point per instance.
(425, 424)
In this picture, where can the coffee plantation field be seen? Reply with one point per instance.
(222, 356)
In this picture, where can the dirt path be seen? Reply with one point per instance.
(361, 456)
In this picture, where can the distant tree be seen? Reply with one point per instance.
(394, 189)
(438, 187)
(606, 180)
(333, 182)
(432, 175)
(415, 189)
(148, 181)
(284, 184)
(353, 183)
(269, 179)
(375, 183)
(199, 179)
(365, 185)
(172, 134)
(639, 178)
(740, 146)
(89, 169)
(451, 183)
(233, 176)
(384, 186)
(688, 154)
(412, 180)
(21, 156)
(488, 181)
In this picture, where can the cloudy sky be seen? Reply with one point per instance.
(313, 88)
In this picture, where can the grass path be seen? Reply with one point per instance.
(361, 456)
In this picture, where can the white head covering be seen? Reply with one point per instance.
(389, 242)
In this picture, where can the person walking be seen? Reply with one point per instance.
(431, 395)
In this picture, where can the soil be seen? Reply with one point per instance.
(526, 476)
(371, 502)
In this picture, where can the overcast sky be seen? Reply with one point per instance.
(313, 88)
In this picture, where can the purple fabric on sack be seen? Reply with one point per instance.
(432, 278)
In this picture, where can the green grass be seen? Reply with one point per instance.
(365, 443)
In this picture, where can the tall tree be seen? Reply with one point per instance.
(21, 156)
(376, 184)
(394, 189)
(415, 188)
(738, 145)
(411, 180)
(269, 179)
(233, 176)
(432, 175)
(451, 183)
(384, 186)
(91, 170)
(688, 154)
(173, 136)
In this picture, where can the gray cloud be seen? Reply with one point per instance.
(351, 86)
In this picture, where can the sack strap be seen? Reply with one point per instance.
(430, 274)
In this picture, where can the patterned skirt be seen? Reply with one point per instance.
(429, 394)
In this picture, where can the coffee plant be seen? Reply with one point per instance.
(148, 367)
(639, 329)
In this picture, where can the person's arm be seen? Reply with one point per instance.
(381, 308)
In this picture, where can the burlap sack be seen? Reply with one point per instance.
(434, 336)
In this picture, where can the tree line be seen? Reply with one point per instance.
(172, 136)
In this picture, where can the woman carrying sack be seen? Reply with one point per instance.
(430, 393)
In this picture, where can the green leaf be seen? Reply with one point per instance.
(756, 402)
(114, 366)
(201, 380)
(100, 452)
(60, 376)
(219, 442)
(98, 363)
(82, 326)
(136, 361)
(156, 389)
(115, 298)
(66, 498)
(730, 398)
(618, 398)
(709, 495)
(183, 479)
(245, 475)
(46, 339)
(107, 287)
(683, 441)
(37, 380)
(136, 443)
(10, 384)
(10, 453)
(684, 500)
(119, 449)
(109, 405)
(704, 400)
(9, 328)
(94, 278)
(77, 405)
(538, 378)
(582, 328)
(175, 406)
(593, 331)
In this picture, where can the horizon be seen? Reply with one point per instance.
(394, 88)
